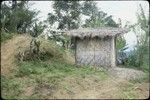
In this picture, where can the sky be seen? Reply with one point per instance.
(125, 10)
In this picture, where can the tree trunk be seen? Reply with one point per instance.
(13, 21)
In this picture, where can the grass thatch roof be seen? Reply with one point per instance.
(99, 32)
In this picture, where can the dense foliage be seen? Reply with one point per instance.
(66, 14)
(97, 18)
(140, 57)
(17, 17)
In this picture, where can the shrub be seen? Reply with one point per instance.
(139, 58)
(5, 36)
(44, 51)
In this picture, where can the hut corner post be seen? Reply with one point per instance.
(75, 54)
(113, 52)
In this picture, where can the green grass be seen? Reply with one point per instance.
(55, 68)
(43, 75)
(11, 88)
(128, 94)
(128, 91)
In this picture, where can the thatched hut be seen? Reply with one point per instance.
(95, 47)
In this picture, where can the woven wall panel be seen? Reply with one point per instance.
(85, 52)
(94, 52)
(102, 52)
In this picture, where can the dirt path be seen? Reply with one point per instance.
(126, 73)
(112, 88)
(9, 49)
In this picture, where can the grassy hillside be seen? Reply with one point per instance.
(55, 75)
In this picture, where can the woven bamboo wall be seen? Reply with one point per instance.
(95, 51)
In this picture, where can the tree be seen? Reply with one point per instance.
(37, 29)
(141, 53)
(89, 8)
(143, 49)
(5, 16)
(97, 18)
(18, 17)
(100, 20)
(67, 15)
(143, 22)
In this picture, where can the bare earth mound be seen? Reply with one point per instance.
(9, 49)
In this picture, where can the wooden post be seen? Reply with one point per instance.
(75, 54)
(113, 52)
